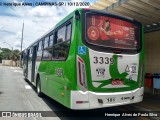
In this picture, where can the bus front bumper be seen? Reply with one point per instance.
(92, 100)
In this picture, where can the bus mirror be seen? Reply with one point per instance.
(77, 15)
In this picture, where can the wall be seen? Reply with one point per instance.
(152, 52)
(9, 63)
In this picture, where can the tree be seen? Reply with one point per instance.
(1, 56)
(5, 53)
(15, 55)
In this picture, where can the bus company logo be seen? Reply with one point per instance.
(81, 50)
(100, 72)
(6, 114)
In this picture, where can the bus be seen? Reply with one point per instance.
(90, 59)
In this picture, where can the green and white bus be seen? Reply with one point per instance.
(90, 59)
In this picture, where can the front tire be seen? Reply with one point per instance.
(25, 76)
(38, 88)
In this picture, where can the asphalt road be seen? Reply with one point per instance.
(18, 95)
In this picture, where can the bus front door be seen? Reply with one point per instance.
(34, 53)
(29, 64)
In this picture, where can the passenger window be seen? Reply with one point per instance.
(51, 40)
(37, 46)
(47, 51)
(39, 52)
(40, 45)
(61, 49)
(30, 54)
(68, 32)
(46, 41)
(31, 51)
(61, 34)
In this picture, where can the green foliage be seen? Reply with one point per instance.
(14, 55)
(1, 56)
(7, 54)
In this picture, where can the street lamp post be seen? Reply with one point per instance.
(21, 44)
(22, 36)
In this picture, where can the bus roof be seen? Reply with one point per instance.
(66, 18)
(71, 15)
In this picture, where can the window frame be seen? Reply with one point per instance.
(54, 33)
(67, 31)
(70, 21)
(50, 40)
(57, 34)
(40, 45)
(46, 38)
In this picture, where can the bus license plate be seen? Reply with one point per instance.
(117, 82)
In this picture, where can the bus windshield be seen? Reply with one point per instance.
(112, 32)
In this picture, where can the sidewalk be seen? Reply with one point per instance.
(151, 101)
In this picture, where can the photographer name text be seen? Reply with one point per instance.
(63, 3)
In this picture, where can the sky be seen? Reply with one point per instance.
(37, 20)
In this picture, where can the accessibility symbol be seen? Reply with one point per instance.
(81, 50)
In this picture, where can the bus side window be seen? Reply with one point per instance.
(28, 54)
(31, 51)
(68, 33)
(55, 38)
(39, 51)
(61, 49)
(51, 40)
(37, 46)
(61, 34)
(46, 41)
(40, 45)
(47, 51)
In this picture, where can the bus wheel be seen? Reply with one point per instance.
(25, 79)
(38, 87)
(25, 76)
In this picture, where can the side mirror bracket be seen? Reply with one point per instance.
(77, 15)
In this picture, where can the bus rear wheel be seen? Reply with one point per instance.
(38, 87)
